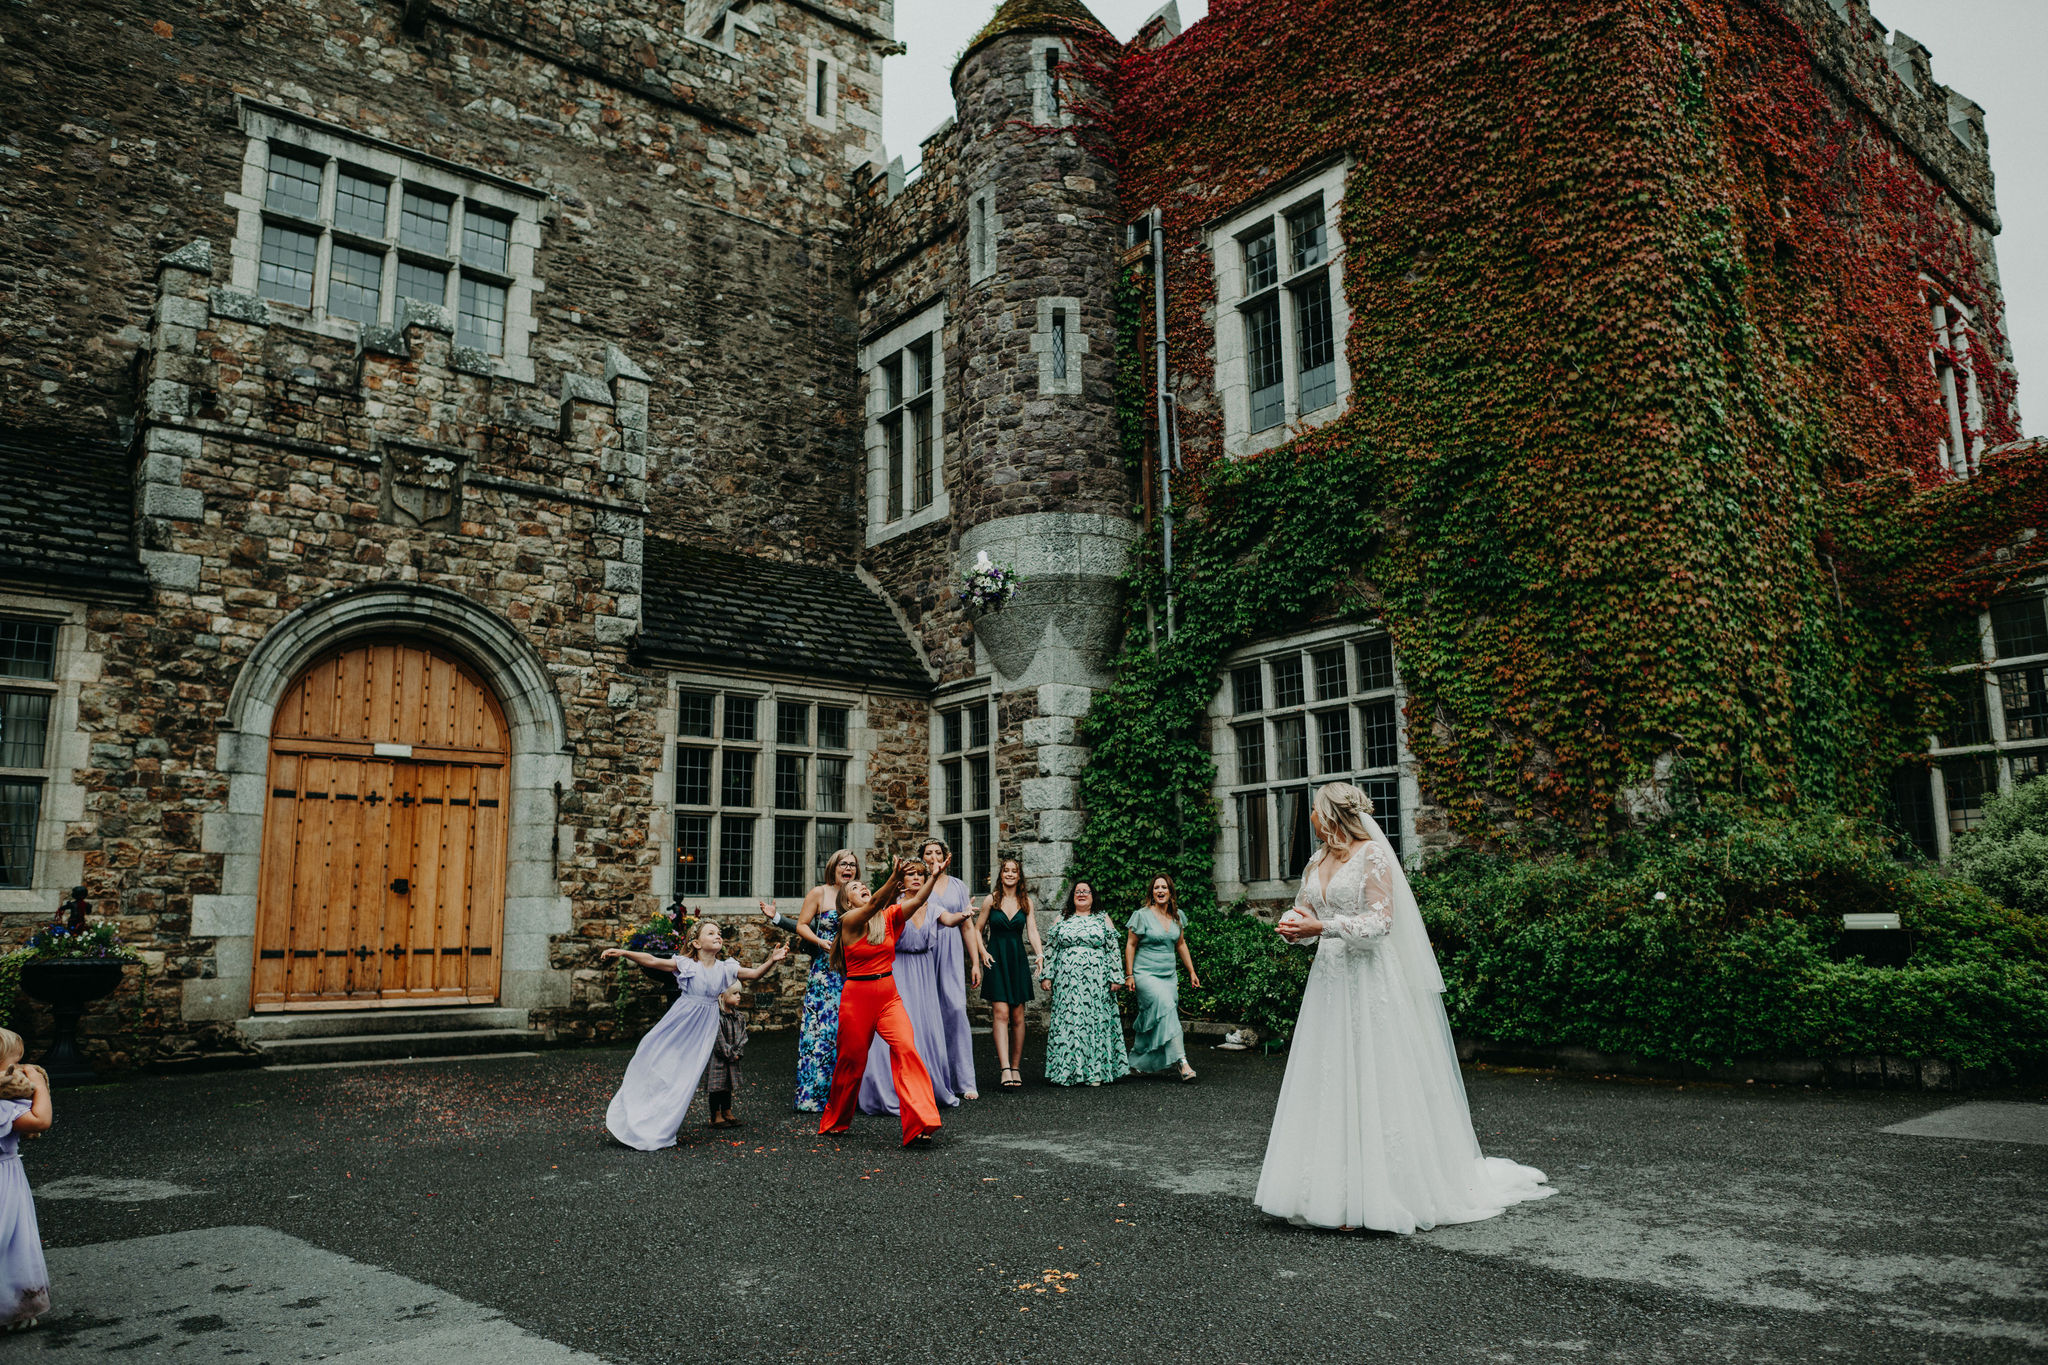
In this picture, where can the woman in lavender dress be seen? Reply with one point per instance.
(24, 1279)
(662, 1078)
(917, 986)
(957, 954)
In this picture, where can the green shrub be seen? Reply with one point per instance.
(1738, 956)
(1737, 959)
(1250, 975)
(2007, 855)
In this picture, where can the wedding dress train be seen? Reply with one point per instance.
(1372, 1128)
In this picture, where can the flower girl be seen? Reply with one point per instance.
(25, 1108)
(661, 1080)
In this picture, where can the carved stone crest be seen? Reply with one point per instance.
(422, 489)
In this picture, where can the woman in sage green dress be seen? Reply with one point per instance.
(1084, 1042)
(1151, 942)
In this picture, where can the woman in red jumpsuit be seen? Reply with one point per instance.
(869, 1006)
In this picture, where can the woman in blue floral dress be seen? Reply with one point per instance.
(1085, 1041)
(816, 925)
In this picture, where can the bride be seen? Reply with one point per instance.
(1372, 1130)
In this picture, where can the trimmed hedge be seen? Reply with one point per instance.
(1736, 959)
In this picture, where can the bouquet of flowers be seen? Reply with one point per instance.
(988, 585)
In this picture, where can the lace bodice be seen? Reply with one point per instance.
(1358, 905)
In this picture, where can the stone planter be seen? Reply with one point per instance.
(67, 985)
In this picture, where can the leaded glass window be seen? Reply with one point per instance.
(1276, 750)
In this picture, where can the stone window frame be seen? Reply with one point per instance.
(821, 77)
(927, 323)
(1049, 108)
(1952, 325)
(767, 694)
(1986, 750)
(984, 235)
(1059, 342)
(1324, 184)
(953, 773)
(1395, 781)
(460, 186)
(56, 868)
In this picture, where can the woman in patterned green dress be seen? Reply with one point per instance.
(1084, 1043)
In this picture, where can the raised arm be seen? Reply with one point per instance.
(775, 955)
(916, 900)
(855, 919)
(660, 964)
(954, 918)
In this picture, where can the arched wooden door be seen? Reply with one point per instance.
(383, 876)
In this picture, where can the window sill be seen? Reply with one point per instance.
(320, 323)
(1255, 443)
(939, 510)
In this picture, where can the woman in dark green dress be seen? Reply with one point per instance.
(1005, 923)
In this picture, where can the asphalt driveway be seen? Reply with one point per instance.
(477, 1211)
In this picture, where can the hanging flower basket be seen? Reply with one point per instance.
(988, 585)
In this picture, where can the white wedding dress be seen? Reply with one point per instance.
(1372, 1129)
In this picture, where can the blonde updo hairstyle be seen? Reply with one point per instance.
(1344, 810)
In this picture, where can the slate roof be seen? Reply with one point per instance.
(67, 515)
(706, 606)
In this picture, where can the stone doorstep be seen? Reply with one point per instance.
(300, 1039)
(263, 1028)
(396, 1046)
(1841, 1073)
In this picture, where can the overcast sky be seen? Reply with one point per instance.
(1994, 51)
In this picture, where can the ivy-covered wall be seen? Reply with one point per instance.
(1640, 457)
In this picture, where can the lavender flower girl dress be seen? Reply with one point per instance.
(661, 1080)
(24, 1280)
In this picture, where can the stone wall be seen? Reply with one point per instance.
(694, 216)
(695, 220)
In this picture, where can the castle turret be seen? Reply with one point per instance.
(1042, 486)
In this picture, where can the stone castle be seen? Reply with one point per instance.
(479, 471)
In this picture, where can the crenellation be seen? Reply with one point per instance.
(1892, 76)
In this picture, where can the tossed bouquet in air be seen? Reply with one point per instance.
(988, 585)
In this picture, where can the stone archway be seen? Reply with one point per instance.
(536, 735)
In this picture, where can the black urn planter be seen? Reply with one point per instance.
(67, 985)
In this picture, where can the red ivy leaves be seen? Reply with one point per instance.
(1640, 382)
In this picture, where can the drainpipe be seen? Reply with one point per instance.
(1165, 418)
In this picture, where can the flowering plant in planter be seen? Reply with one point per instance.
(663, 934)
(99, 940)
(58, 941)
(988, 585)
